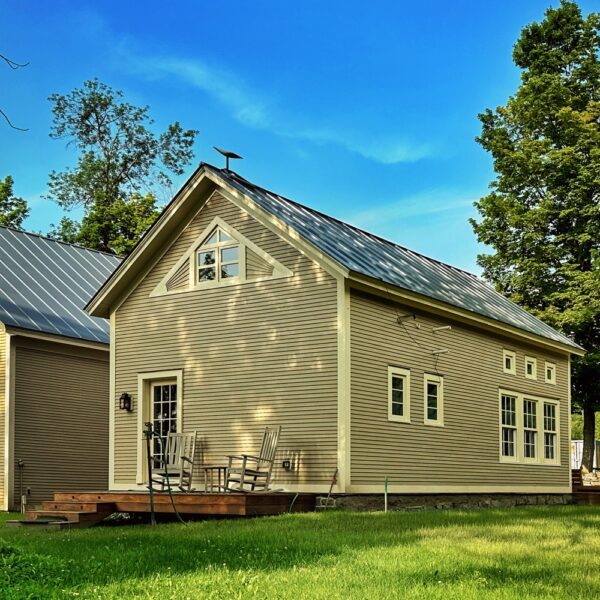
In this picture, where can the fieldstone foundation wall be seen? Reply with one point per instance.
(406, 502)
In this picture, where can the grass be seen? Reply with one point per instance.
(534, 552)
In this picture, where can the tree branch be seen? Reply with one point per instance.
(12, 64)
(9, 122)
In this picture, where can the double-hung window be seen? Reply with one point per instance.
(550, 435)
(530, 433)
(433, 400)
(399, 395)
(508, 415)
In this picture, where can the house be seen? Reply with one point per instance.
(53, 369)
(240, 308)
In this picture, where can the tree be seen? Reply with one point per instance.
(13, 210)
(542, 215)
(120, 157)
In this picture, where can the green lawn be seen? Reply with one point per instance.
(535, 552)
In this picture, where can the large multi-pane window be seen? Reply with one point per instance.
(398, 394)
(529, 429)
(509, 426)
(433, 400)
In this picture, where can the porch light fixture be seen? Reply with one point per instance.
(125, 402)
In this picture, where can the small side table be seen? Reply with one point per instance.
(215, 478)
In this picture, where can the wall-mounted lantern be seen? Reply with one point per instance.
(125, 402)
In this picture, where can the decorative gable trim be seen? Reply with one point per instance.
(182, 276)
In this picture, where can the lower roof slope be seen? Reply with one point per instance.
(367, 254)
(45, 285)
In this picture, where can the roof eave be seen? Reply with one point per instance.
(391, 291)
(154, 238)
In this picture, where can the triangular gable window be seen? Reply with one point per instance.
(219, 258)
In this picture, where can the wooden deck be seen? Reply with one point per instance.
(83, 509)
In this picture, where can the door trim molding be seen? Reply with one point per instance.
(144, 381)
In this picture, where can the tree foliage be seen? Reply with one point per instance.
(542, 215)
(13, 210)
(121, 167)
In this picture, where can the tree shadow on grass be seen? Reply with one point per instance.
(105, 556)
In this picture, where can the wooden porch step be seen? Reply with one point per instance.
(72, 514)
(39, 524)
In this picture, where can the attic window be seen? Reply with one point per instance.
(218, 258)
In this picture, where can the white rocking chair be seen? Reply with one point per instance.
(247, 473)
(179, 464)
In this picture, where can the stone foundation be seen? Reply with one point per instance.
(412, 502)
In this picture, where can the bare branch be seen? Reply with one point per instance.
(9, 122)
(12, 64)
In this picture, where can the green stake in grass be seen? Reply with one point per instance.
(385, 488)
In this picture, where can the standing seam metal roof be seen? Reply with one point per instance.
(45, 285)
(375, 257)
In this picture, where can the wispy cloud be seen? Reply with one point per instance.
(434, 202)
(257, 110)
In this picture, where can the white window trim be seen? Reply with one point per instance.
(216, 248)
(552, 380)
(533, 361)
(437, 379)
(405, 373)
(513, 356)
(190, 257)
(539, 451)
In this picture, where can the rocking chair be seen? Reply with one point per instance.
(177, 461)
(247, 473)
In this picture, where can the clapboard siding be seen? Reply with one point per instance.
(2, 412)
(61, 419)
(253, 354)
(180, 278)
(465, 450)
(256, 266)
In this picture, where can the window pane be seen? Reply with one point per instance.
(529, 369)
(212, 239)
(529, 414)
(397, 409)
(207, 274)
(224, 237)
(508, 441)
(549, 446)
(529, 444)
(432, 413)
(398, 383)
(397, 396)
(509, 416)
(230, 270)
(206, 257)
(230, 254)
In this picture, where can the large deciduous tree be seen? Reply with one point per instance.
(542, 216)
(122, 164)
(13, 210)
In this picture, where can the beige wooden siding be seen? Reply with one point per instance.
(257, 266)
(254, 354)
(465, 452)
(2, 411)
(61, 419)
(180, 278)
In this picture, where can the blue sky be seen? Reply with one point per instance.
(366, 111)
